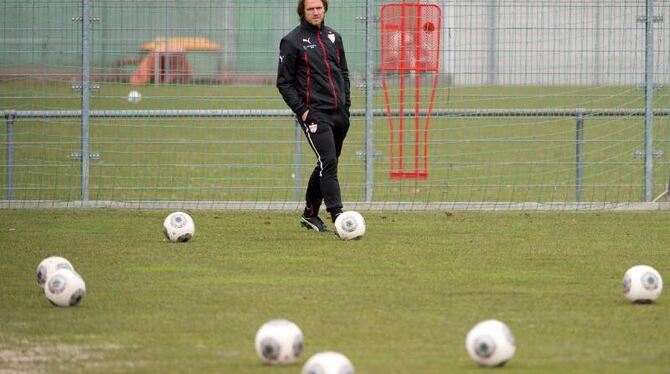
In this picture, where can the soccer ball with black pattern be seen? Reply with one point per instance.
(642, 284)
(350, 225)
(49, 266)
(490, 343)
(328, 363)
(65, 288)
(279, 342)
(178, 227)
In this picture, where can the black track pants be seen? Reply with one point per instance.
(325, 133)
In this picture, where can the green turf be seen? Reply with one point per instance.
(399, 301)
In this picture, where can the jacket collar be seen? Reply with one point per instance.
(311, 27)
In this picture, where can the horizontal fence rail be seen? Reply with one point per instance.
(239, 113)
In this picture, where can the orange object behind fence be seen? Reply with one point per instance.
(167, 61)
(410, 51)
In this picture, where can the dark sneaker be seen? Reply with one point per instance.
(333, 215)
(314, 223)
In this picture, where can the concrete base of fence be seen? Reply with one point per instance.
(362, 206)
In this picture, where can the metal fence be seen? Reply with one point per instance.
(537, 105)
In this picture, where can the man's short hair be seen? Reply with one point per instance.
(301, 7)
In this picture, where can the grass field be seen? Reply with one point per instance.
(399, 301)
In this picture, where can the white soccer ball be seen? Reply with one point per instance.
(134, 97)
(49, 266)
(642, 284)
(65, 288)
(490, 343)
(328, 363)
(350, 225)
(279, 342)
(178, 227)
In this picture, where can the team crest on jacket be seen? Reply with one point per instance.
(312, 127)
(331, 36)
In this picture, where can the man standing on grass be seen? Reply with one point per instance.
(313, 79)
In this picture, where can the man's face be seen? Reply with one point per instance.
(314, 12)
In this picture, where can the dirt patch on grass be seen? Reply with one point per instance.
(31, 357)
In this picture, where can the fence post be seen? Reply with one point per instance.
(369, 103)
(579, 161)
(85, 96)
(492, 43)
(9, 118)
(649, 106)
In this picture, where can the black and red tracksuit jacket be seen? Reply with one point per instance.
(312, 72)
